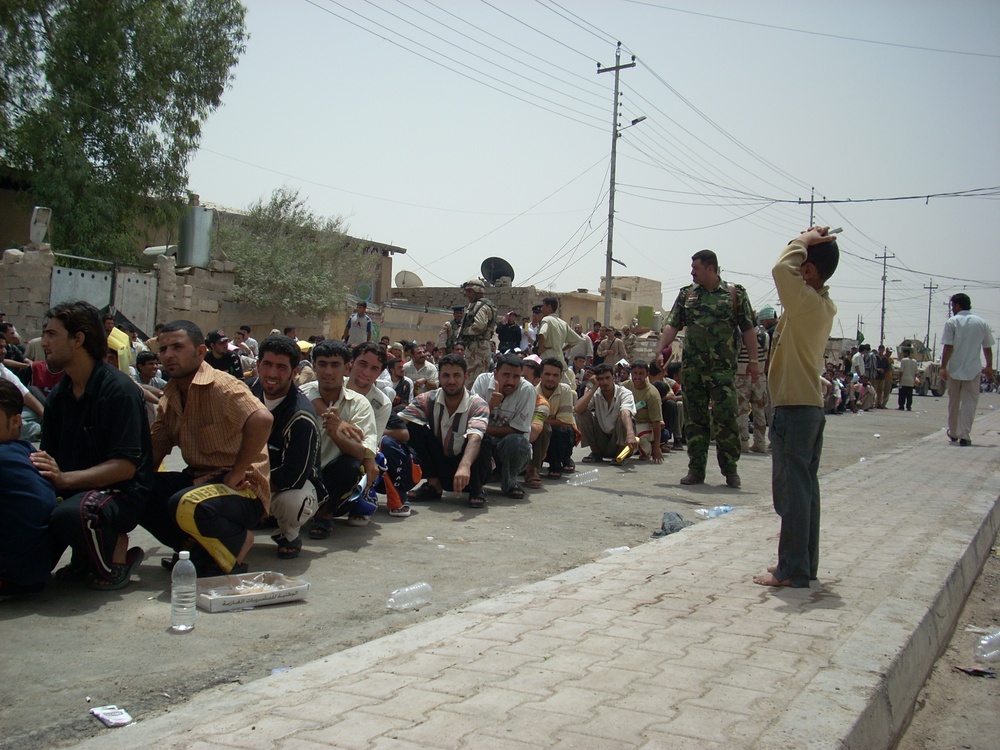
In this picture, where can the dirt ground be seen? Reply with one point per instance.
(69, 649)
(955, 710)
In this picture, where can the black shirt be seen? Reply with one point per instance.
(228, 362)
(107, 421)
(509, 335)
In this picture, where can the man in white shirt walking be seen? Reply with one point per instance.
(965, 336)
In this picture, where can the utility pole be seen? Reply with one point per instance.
(931, 286)
(611, 192)
(812, 197)
(883, 257)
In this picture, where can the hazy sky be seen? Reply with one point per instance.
(464, 130)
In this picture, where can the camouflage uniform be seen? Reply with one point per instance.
(751, 395)
(709, 366)
(448, 336)
(478, 325)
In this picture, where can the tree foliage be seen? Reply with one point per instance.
(101, 106)
(289, 258)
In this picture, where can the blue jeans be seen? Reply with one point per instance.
(796, 445)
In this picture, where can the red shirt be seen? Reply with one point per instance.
(43, 378)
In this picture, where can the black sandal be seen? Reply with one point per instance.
(120, 574)
(426, 492)
(288, 550)
(477, 501)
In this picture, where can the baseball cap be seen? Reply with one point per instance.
(216, 337)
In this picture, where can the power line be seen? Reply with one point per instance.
(817, 33)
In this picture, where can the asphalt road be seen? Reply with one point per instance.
(71, 649)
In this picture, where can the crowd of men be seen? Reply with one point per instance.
(291, 435)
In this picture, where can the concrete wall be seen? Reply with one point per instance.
(24, 287)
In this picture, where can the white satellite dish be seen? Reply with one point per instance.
(408, 280)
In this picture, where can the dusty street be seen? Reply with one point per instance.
(70, 645)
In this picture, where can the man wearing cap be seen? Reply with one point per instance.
(478, 324)
(449, 331)
(555, 336)
(359, 326)
(221, 357)
(509, 333)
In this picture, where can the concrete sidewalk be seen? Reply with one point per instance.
(667, 645)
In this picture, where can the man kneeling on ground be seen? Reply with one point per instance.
(222, 430)
(293, 447)
(512, 405)
(605, 415)
(26, 502)
(446, 432)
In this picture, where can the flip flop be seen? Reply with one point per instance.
(554, 474)
(120, 574)
(401, 512)
(533, 483)
(477, 501)
(515, 493)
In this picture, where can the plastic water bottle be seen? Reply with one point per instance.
(413, 596)
(183, 594)
(585, 477)
(988, 648)
(718, 510)
(615, 550)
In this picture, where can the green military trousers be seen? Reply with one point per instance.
(710, 407)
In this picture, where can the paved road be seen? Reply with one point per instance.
(115, 649)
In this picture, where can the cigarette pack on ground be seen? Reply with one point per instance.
(233, 592)
(112, 716)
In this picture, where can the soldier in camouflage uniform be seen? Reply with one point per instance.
(478, 324)
(715, 314)
(449, 331)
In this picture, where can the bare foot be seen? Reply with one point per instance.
(768, 579)
(772, 568)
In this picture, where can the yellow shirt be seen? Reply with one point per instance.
(802, 333)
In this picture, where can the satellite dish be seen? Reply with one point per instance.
(495, 269)
(408, 280)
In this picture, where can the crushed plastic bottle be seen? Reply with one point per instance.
(413, 596)
(718, 510)
(988, 648)
(585, 477)
(615, 550)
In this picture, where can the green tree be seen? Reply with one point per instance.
(101, 106)
(289, 258)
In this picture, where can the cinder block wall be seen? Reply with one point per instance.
(25, 278)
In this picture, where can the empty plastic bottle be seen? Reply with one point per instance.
(615, 550)
(413, 596)
(183, 594)
(988, 648)
(585, 477)
(718, 510)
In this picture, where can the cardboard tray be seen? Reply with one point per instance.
(220, 594)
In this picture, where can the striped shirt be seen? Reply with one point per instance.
(470, 418)
(209, 427)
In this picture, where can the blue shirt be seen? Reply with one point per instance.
(26, 501)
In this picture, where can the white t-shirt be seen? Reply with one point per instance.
(968, 335)
(515, 411)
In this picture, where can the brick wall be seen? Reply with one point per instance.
(24, 287)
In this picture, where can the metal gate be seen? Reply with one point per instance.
(131, 293)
